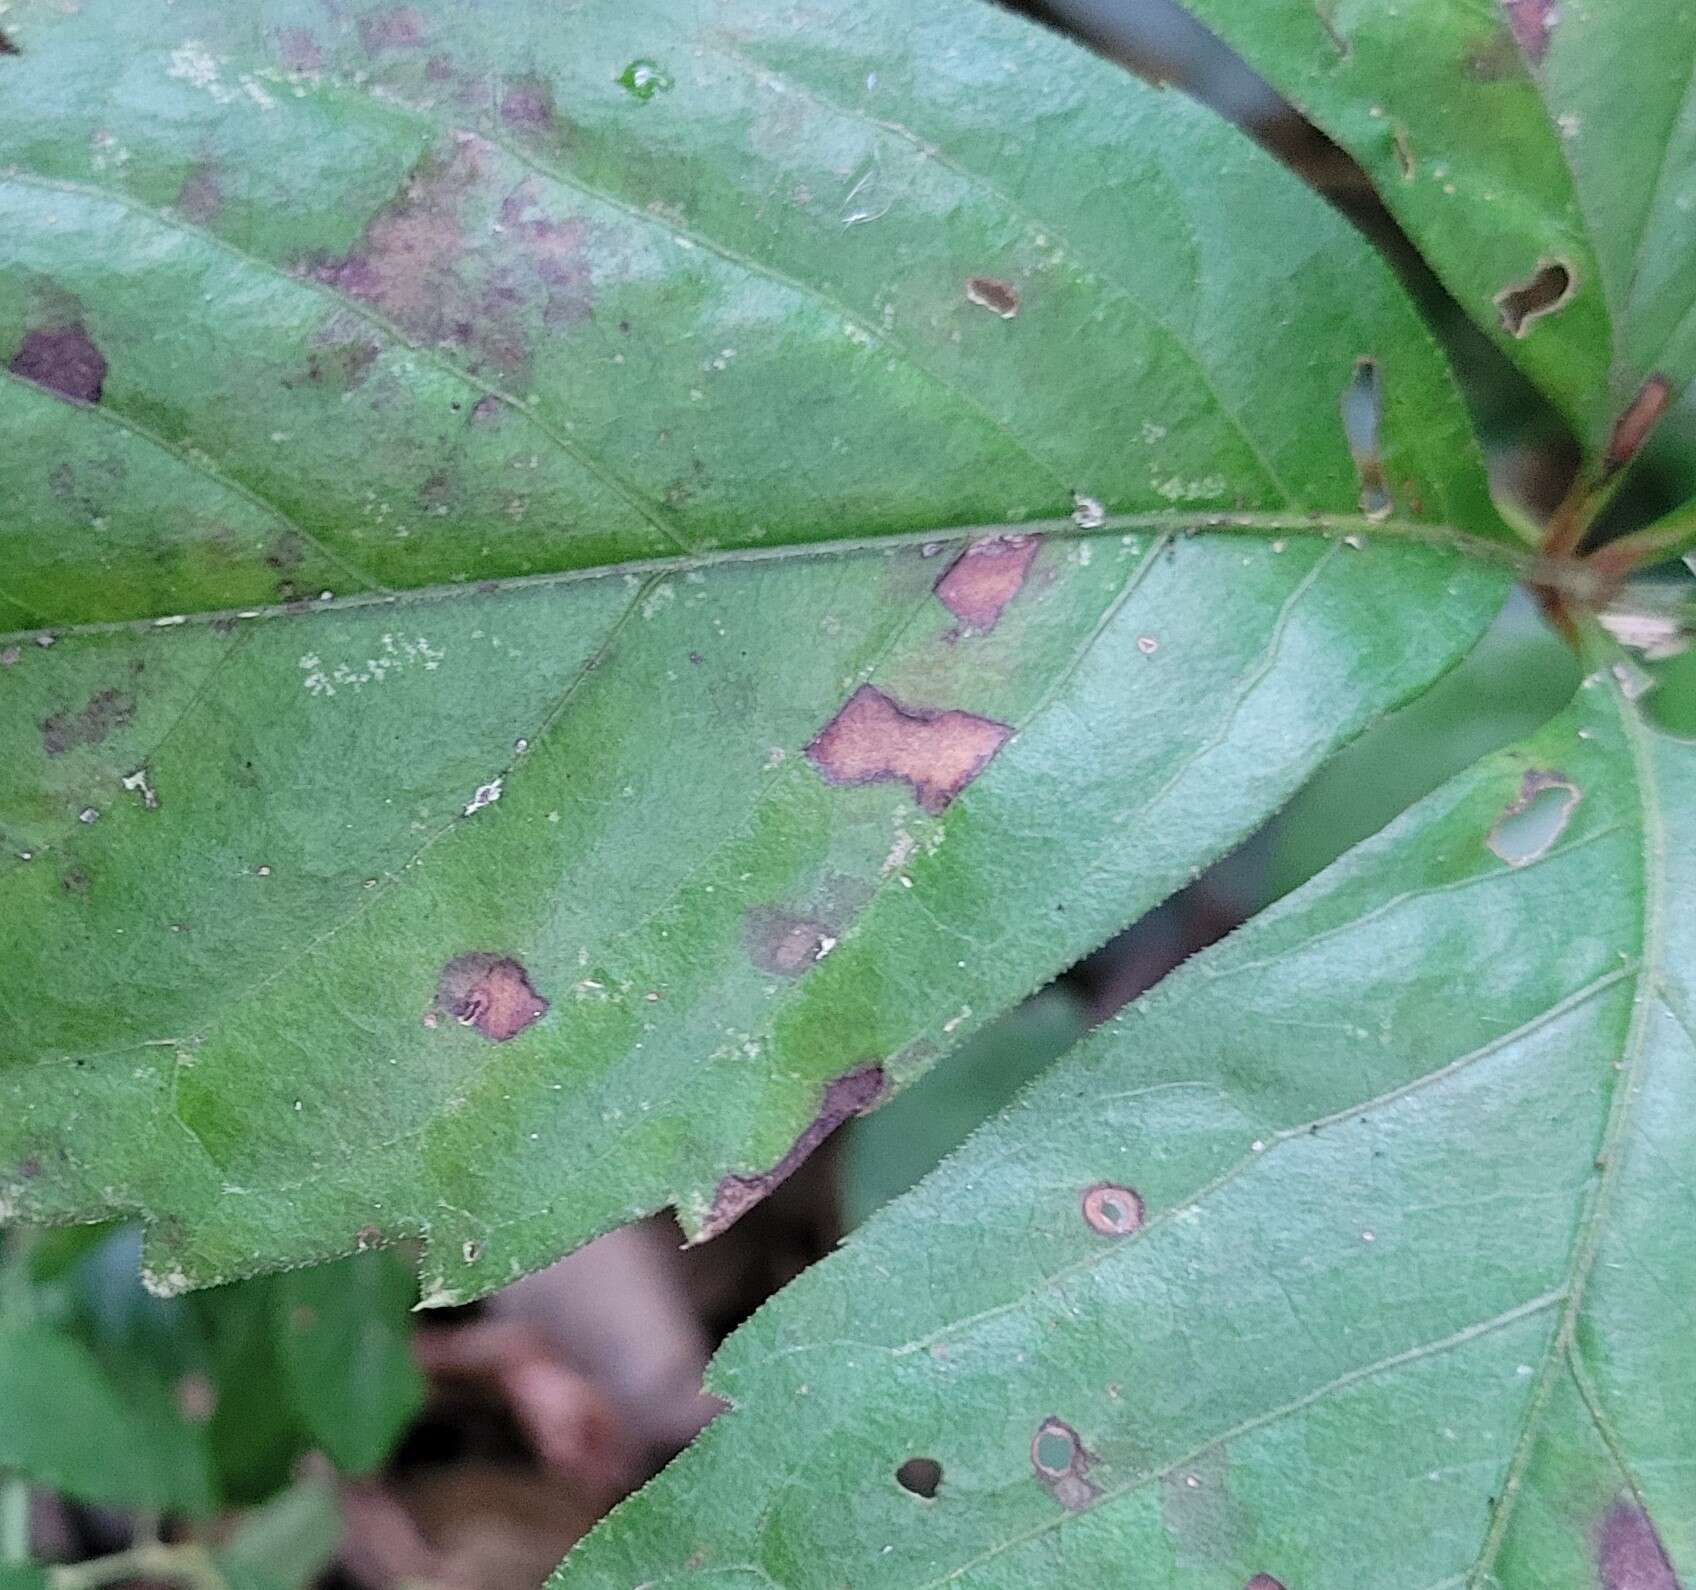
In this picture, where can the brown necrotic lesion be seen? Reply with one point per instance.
(1547, 290)
(491, 993)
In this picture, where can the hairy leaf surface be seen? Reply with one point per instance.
(1543, 158)
(1357, 1253)
(667, 776)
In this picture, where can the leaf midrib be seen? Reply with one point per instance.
(1560, 1353)
(1187, 522)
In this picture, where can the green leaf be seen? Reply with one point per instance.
(65, 1423)
(892, 1149)
(345, 1341)
(1351, 1255)
(463, 306)
(285, 1544)
(22, 1576)
(1497, 134)
(1518, 676)
(257, 1432)
(432, 294)
(249, 1377)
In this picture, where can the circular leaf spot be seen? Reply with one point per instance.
(1113, 1211)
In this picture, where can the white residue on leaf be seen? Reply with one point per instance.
(395, 654)
(1177, 490)
(173, 1283)
(900, 853)
(485, 795)
(660, 597)
(192, 63)
(137, 783)
(106, 153)
(1087, 512)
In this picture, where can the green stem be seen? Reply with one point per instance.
(1665, 539)
(14, 1519)
(188, 1564)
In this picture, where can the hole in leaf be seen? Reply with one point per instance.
(1362, 408)
(1535, 820)
(920, 1475)
(1111, 1210)
(7, 47)
(1548, 290)
(1054, 1448)
(1001, 298)
(1062, 1465)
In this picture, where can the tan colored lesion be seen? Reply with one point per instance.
(937, 753)
(786, 944)
(977, 586)
(489, 992)
(856, 1093)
